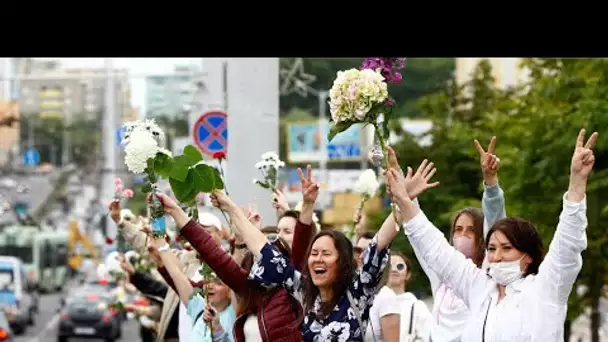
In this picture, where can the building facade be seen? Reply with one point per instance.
(506, 71)
(170, 95)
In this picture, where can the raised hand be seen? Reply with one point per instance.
(583, 158)
(220, 200)
(490, 163)
(126, 266)
(115, 210)
(395, 185)
(310, 187)
(279, 202)
(418, 182)
(169, 204)
(210, 316)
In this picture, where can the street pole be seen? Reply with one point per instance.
(322, 96)
(109, 152)
(67, 141)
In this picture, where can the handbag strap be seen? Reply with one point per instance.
(358, 315)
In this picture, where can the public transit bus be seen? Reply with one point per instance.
(45, 254)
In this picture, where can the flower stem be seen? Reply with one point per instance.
(223, 177)
(386, 167)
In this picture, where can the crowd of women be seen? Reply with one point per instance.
(491, 279)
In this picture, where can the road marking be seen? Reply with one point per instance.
(50, 325)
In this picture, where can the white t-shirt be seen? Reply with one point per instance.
(421, 320)
(251, 329)
(385, 303)
(184, 328)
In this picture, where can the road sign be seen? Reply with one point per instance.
(31, 157)
(210, 133)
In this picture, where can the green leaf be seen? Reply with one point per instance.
(203, 178)
(181, 165)
(183, 191)
(146, 188)
(163, 165)
(193, 154)
(262, 184)
(338, 128)
(218, 182)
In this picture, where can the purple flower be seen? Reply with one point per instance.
(388, 67)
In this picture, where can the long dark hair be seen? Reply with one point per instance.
(245, 302)
(346, 272)
(524, 237)
(477, 216)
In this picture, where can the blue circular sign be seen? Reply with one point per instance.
(210, 133)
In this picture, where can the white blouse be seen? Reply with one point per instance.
(534, 308)
(251, 329)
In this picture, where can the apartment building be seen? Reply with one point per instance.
(506, 71)
(170, 95)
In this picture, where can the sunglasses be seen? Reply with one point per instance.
(400, 267)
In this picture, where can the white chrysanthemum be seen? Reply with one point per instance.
(141, 147)
(354, 92)
(270, 156)
(367, 184)
(112, 261)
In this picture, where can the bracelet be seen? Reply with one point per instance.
(240, 245)
(164, 248)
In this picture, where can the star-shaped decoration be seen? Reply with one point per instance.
(294, 79)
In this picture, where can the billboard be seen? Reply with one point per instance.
(304, 143)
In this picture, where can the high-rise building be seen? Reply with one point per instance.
(506, 71)
(73, 95)
(170, 95)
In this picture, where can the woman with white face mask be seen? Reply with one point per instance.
(469, 227)
(523, 297)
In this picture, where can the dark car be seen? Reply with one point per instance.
(89, 317)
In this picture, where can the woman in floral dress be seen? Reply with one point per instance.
(335, 296)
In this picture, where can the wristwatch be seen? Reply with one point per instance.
(164, 248)
(240, 245)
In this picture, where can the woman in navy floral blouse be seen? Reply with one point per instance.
(331, 275)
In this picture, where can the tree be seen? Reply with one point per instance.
(536, 125)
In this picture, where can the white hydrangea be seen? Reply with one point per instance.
(354, 92)
(367, 184)
(141, 147)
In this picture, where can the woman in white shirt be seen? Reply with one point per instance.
(416, 319)
(522, 297)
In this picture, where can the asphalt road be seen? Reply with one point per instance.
(45, 329)
(40, 187)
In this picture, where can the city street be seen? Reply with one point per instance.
(45, 329)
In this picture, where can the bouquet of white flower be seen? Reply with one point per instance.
(269, 167)
(187, 174)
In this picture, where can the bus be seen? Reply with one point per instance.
(45, 254)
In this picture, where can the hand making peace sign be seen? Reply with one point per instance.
(310, 187)
(583, 158)
(490, 163)
(415, 183)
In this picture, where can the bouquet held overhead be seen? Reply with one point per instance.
(187, 173)
(361, 96)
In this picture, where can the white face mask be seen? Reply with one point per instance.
(505, 272)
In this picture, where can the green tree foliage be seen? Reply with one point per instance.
(536, 125)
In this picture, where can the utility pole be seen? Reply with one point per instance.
(322, 96)
(109, 148)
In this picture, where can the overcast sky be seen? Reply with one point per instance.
(135, 66)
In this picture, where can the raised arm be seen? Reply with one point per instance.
(563, 262)
(129, 230)
(451, 266)
(171, 263)
(252, 236)
(493, 200)
(305, 228)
